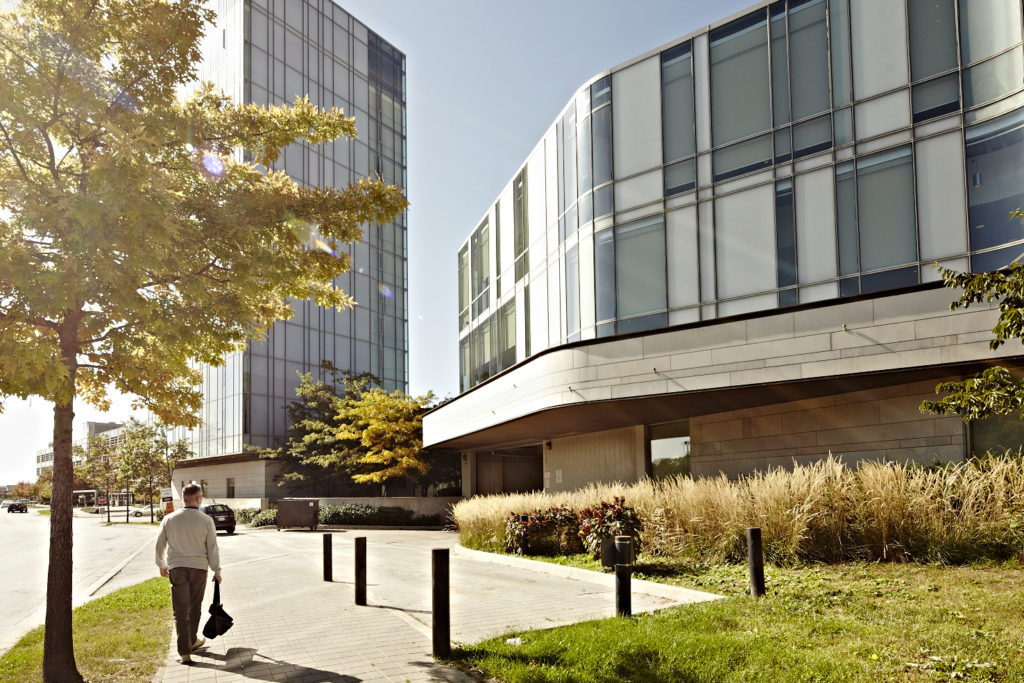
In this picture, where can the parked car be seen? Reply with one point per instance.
(147, 510)
(17, 507)
(223, 516)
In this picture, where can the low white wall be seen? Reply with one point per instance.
(439, 505)
(233, 503)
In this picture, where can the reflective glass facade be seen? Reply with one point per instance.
(805, 150)
(268, 52)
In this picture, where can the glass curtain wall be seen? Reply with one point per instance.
(294, 48)
(797, 145)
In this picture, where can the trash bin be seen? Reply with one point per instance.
(293, 512)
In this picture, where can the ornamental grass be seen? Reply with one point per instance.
(825, 511)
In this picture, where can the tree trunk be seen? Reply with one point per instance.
(58, 649)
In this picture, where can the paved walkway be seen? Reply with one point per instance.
(290, 625)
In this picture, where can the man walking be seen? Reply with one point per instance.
(189, 539)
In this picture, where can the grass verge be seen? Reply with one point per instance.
(853, 622)
(45, 512)
(120, 637)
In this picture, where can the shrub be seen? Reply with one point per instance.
(382, 516)
(550, 532)
(262, 518)
(608, 520)
(245, 515)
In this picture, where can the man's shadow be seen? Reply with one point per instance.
(240, 660)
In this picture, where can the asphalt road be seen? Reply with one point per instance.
(97, 550)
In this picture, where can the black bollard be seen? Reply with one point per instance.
(441, 605)
(328, 559)
(623, 593)
(361, 570)
(755, 562)
(623, 550)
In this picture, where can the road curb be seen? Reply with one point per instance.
(103, 580)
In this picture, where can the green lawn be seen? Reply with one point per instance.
(120, 637)
(860, 622)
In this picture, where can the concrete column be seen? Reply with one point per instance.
(468, 473)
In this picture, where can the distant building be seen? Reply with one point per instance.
(112, 432)
(268, 52)
(719, 258)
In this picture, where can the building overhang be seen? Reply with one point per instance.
(674, 374)
(596, 416)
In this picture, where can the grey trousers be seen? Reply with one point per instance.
(187, 588)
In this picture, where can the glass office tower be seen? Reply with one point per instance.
(269, 52)
(802, 160)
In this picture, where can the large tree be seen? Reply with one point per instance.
(133, 240)
(995, 391)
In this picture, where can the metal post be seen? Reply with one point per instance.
(755, 562)
(623, 550)
(328, 559)
(441, 605)
(361, 570)
(623, 593)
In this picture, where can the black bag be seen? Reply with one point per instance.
(219, 621)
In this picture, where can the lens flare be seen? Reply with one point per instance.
(385, 291)
(323, 246)
(213, 165)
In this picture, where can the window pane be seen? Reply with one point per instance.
(604, 274)
(889, 279)
(584, 182)
(885, 207)
(680, 177)
(572, 290)
(783, 145)
(987, 27)
(936, 97)
(739, 79)
(640, 266)
(807, 45)
(842, 122)
(602, 151)
(839, 25)
(812, 136)
(743, 157)
(603, 201)
(677, 102)
(993, 79)
(601, 92)
(670, 457)
(846, 219)
(932, 37)
(995, 180)
(780, 64)
(785, 233)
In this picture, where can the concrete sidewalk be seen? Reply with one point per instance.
(291, 625)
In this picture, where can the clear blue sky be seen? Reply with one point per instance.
(484, 81)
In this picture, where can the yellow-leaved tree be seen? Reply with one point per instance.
(132, 237)
(390, 428)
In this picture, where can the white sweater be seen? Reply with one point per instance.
(189, 538)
